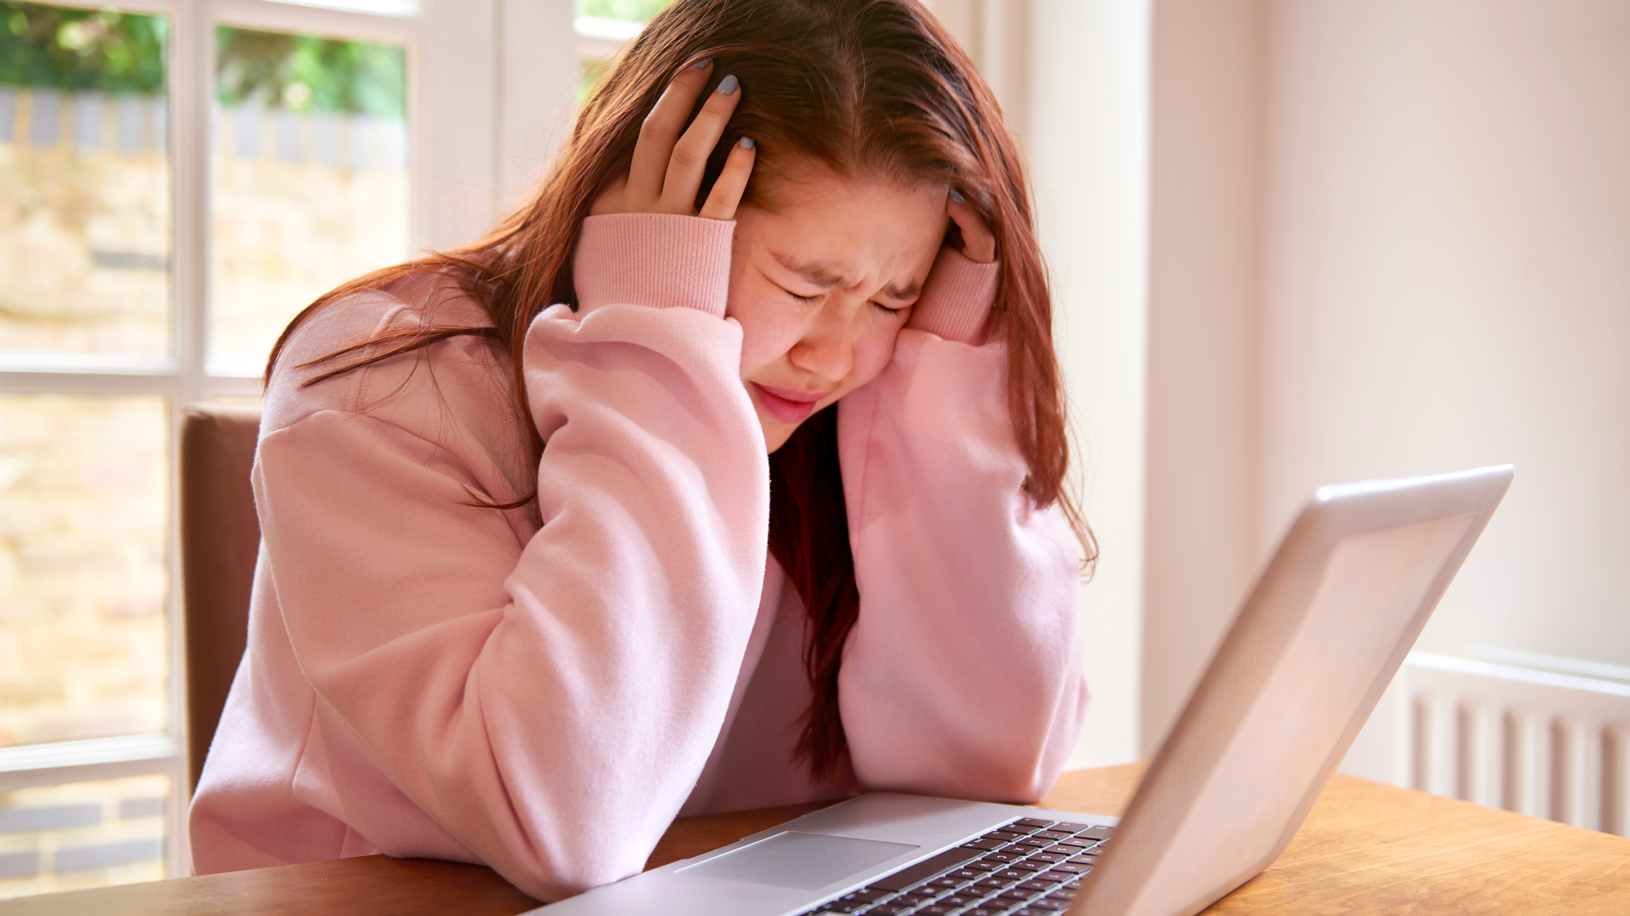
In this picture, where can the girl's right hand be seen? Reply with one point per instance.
(666, 172)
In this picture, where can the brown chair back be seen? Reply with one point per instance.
(220, 538)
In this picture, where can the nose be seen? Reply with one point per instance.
(827, 347)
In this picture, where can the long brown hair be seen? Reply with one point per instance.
(869, 88)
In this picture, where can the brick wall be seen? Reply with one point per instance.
(87, 834)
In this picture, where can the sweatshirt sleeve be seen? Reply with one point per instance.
(548, 702)
(962, 676)
(957, 298)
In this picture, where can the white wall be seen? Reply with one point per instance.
(1087, 140)
(1073, 80)
(996, 34)
(1447, 284)
(1407, 251)
(1204, 326)
(1072, 77)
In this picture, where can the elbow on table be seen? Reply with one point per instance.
(1020, 782)
(557, 877)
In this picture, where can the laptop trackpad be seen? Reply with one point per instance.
(801, 860)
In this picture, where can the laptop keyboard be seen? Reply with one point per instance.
(1028, 866)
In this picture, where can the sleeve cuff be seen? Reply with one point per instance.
(654, 259)
(957, 298)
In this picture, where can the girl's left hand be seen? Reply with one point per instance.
(978, 242)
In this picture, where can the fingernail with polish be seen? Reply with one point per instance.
(957, 196)
(703, 63)
(728, 84)
(746, 142)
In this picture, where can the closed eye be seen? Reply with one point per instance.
(811, 300)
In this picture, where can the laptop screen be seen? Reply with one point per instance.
(1295, 696)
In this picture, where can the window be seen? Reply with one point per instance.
(603, 27)
(310, 180)
(177, 179)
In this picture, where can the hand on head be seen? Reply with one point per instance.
(666, 172)
(978, 242)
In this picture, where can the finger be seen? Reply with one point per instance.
(689, 160)
(726, 194)
(978, 242)
(661, 130)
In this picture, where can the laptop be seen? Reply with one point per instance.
(1316, 642)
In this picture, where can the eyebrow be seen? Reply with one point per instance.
(826, 276)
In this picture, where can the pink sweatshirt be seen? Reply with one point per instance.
(427, 677)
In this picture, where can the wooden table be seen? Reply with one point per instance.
(1366, 848)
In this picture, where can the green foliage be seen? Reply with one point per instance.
(631, 10)
(60, 48)
(589, 74)
(305, 72)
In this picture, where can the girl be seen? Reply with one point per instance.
(535, 579)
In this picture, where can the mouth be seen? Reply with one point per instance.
(785, 405)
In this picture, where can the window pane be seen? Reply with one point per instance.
(311, 180)
(82, 834)
(385, 7)
(83, 491)
(603, 27)
(627, 10)
(84, 182)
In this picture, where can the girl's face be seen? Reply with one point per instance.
(822, 284)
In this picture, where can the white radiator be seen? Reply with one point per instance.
(1541, 736)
